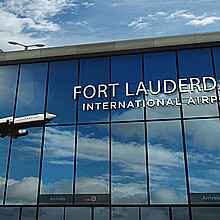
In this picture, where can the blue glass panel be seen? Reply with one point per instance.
(48, 213)
(128, 164)
(126, 213)
(78, 213)
(203, 148)
(216, 53)
(8, 76)
(159, 67)
(197, 63)
(32, 89)
(101, 213)
(62, 79)
(180, 213)
(127, 72)
(166, 163)
(9, 213)
(92, 160)
(57, 171)
(28, 213)
(24, 168)
(24, 164)
(151, 213)
(204, 213)
(93, 71)
(8, 80)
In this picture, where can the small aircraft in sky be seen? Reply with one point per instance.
(14, 128)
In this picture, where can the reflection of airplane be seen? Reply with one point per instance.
(11, 128)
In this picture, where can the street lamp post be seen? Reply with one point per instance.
(25, 46)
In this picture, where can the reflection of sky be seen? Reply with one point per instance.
(32, 88)
(128, 156)
(128, 175)
(8, 78)
(62, 78)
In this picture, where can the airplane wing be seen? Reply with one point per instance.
(5, 129)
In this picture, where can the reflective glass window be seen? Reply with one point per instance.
(93, 72)
(196, 65)
(62, 79)
(48, 213)
(101, 213)
(128, 163)
(202, 139)
(92, 164)
(180, 213)
(204, 213)
(216, 53)
(28, 213)
(32, 89)
(57, 171)
(78, 213)
(166, 163)
(160, 68)
(126, 71)
(151, 213)
(27, 135)
(8, 81)
(9, 213)
(24, 168)
(125, 213)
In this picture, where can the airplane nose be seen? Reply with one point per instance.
(50, 116)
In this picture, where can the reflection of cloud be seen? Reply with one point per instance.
(22, 191)
(129, 192)
(166, 196)
(160, 155)
(87, 185)
(204, 185)
(61, 186)
(128, 154)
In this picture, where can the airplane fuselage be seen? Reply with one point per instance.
(12, 127)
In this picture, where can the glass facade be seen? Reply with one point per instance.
(132, 137)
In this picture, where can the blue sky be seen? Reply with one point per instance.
(69, 22)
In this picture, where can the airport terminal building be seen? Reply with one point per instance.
(125, 130)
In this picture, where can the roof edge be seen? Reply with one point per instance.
(112, 48)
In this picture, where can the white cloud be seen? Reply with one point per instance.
(204, 21)
(31, 21)
(88, 4)
(82, 24)
(193, 19)
(114, 5)
(139, 24)
(177, 15)
(36, 14)
(180, 14)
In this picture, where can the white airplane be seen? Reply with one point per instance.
(14, 128)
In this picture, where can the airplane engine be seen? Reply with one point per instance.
(22, 133)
